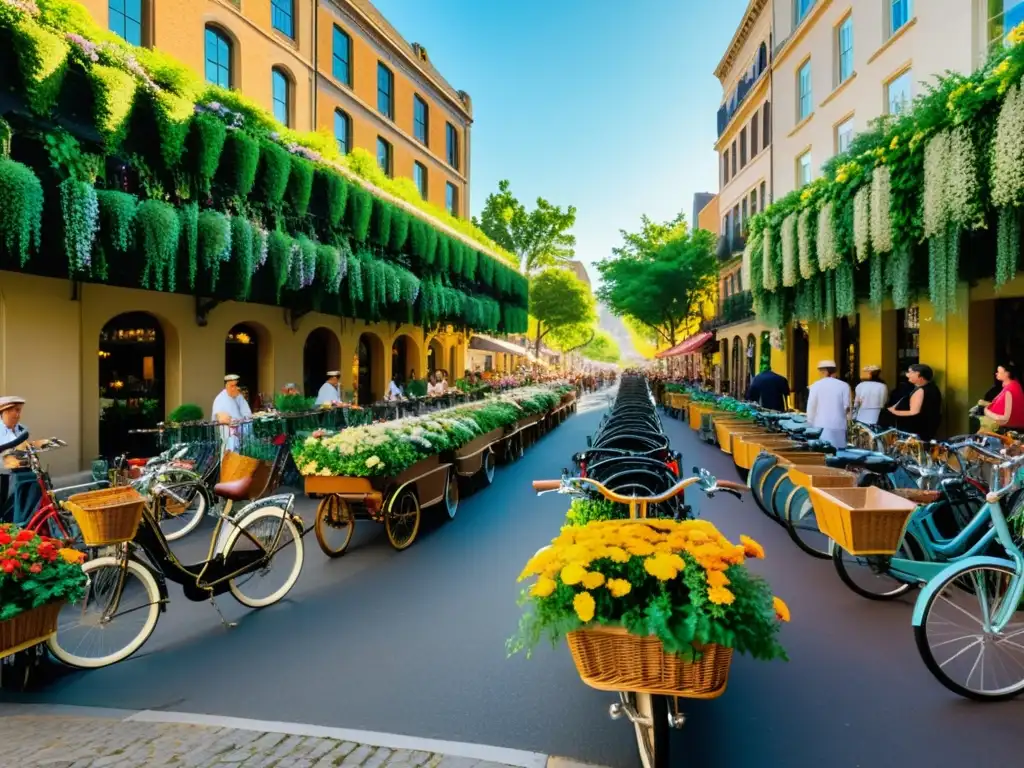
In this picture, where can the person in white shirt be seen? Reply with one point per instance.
(433, 388)
(442, 382)
(828, 405)
(329, 392)
(394, 391)
(870, 396)
(229, 408)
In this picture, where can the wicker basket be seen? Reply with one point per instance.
(611, 659)
(235, 466)
(29, 628)
(863, 521)
(107, 516)
(918, 495)
(811, 476)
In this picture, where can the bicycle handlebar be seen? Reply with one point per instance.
(675, 490)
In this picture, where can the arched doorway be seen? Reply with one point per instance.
(370, 355)
(132, 383)
(320, 354)
(435, 357)
(242, 358)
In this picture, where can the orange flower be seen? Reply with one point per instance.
(717, 579)
(751, 548)
(721, 596)
(781, 609)
(72, 556)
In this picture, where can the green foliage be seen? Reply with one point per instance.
(257, 120)
(42, 61)
(21, 210)
(470, 262)
(304, 264)
(113, 93)
(205, 145)
(243, 255)
(300, 185)
(213, 244)
(583, 511)
(399, 229)
(487, 270)
(538, 238)
(444, 253)
(293, 403)
(117, 216)
(157, 229)
(239, 163)
(188, 216)
(185, 412)
(380, 222)
(355, 278)
(169, 73)
(330, 192)
(457, 252)
(272, 177)
(173, 114)
(601, 348)
(80, 215)
(329, 268)
(39, 575)
(358, 211)
(68, 158)
(279, 255)
(559, 299)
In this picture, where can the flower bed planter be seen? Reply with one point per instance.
(469, 458)
(29, 628)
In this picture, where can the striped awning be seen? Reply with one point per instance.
(692, 344)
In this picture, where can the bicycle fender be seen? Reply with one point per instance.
(929, 589)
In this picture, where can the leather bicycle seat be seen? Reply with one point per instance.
(856, 457)
(234, 490)
(811, 433)
(821, 446)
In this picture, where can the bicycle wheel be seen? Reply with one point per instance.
(177, 519)
(488, 467)
(269, 583)
(402, 519)
(802, 525)
(770, 481)
(334, 525)
(955, 641)
(89, 635)
(451, 494)
(869, 576)
(651, 727)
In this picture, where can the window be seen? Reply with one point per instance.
(739, 281)
(451, 199)
(343, 131)
(899, 14)
(899, 92)
(1003, 15)
(744, 217)
(420, 119)
(764, 194)
(282, 16)
(844, 47)
(844, 135)
(753, 202)
(218, 58)
(766, 137)
(736, 224)
(743, 147)
(801, 8)
(280, 88)
(126, 20)
(384, 155)
(385, 91)
(725, 167)
(803, 169)
(452, 142)
(733, 154)
(419, 175)
(754, 123)
(341, 56)
(804, 104)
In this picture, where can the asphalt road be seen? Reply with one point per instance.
(413, 643)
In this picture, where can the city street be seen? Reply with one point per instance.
(413, 643)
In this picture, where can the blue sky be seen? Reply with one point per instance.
(607, 105)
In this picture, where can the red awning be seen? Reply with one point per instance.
(691, 344)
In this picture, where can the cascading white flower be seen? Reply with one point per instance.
(789, 248)
(935, 207)
(862, 223)
(1007, 159)
(963, 182)
(828, 256)
(881, 198)
(753, 246)
(804, 244)
(767, 273)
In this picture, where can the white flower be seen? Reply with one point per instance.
(934, 200)
(310, 468)
(789, 273)
(881, 223)
(964, 186)
(1008, 151)
(805, 246)
(373, 461)
(768, 274)
(862, 223)
(325, 472)
(753, 246)
(828, 257)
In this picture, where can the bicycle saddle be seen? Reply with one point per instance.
(234, 490)
(820, 446)
(856, 457)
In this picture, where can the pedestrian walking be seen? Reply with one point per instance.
(870, 396)
(768, 389)
(828, 405)
(920, 412)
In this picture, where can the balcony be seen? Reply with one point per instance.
(732, 309)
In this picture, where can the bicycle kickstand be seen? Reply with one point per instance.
(227, 624)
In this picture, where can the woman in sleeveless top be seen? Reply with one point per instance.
(921, 412)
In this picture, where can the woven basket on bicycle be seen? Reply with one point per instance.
(611, 659)
(107, 516)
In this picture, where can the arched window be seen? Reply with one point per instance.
(343, 131)
(218, 58)
(281, 94)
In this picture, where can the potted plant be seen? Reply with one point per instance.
(651, 604)
(37, 577)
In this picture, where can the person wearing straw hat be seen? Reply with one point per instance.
(25, 492)
(229, 408)
(828, 405)
(329, 392)
(870, 396)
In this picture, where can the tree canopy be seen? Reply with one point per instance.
(660, 277)
(558, 300)
(539, 238)
(601, 348)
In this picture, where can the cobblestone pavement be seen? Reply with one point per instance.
(31, 741)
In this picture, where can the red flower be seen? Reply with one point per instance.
(35, 568)
(9, 566)
(25, 555)
(11, 553)
(5, 538)
(25, 536)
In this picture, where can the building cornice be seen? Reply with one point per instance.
(754, 10)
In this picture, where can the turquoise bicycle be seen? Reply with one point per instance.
(968, 621)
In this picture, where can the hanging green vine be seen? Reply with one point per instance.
(80, 214)
(279, 254)
(244, 244)
(117, 227)
(205, 145)
(240, 162)
(399, 230)
(272, 176)
(300, 185)
(359, 210)
(1007, 245)
(21, 209)
(213, 245)
(380, 222)
(157, 229)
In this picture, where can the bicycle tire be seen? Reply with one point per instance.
(296, 535)
(653, 740)
(796, 501)
(837, 560)
(135, 569)
(196, 516)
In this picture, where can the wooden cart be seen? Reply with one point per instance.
(478, 454)
(396, 501)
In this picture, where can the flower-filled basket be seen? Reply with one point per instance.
(37, 577)
(656, 606)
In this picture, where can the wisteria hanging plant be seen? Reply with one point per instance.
(806, 235)
(767, 273)
(80, 211)
(862, 223)
(789, 250)
(881, 197)
(828, 255)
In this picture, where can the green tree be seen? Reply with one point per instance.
(651, 237)
(601, 348)
(570, 338)
(539, 238)
(664, 287)
(558, 300)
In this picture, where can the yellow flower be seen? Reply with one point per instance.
(640, 548)
(372, 462)
(751, 548)
(721, 596)
(1002, 69)
(72, 556)
(310, 468)
(618, 555)
(662, 567)
(573, 573)
(543, 587)
(1016, 35)
(618, 587)
(841, 177)
(781, 609)
(717, 579)
(583, 603)
(805, 196)
(894, 144)
(593, 580)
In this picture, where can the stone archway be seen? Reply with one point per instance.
(406, 359)
(369, 383)
(320, 353)
(132, 382)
